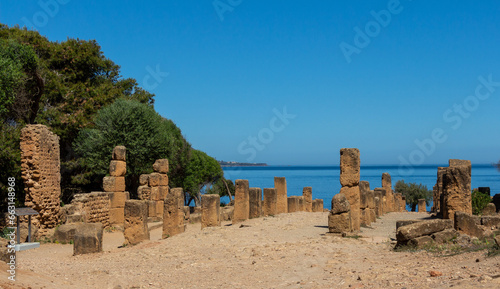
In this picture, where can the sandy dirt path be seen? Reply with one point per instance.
(284, 251)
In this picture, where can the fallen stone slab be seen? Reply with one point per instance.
(88, 239)
(423, 228)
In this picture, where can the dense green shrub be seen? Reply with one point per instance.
(413, 192)
(479, 202)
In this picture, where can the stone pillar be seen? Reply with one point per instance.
(241, 201)
(136, 222)
(457, 189)
(173, 214)
(255, 195)
(387, 185)
(40, 171)
(317, 205)
(349, 179)
(210, 211)
(437, 190)
(282, 201)
(364, 194)
(270, 202)
(378, 206)
(117, 169)
(154, 189)
(307, 193)
(339, 219)
(422, 206)
(295, 204)
(381, 193)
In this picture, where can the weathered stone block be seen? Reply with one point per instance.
(144, 192)
(340, 223)
(428, 227)
(281, 193)
(457, 189)
(489, 210)
(226, 213)
(117, 199)
(317, 205)
(255, 202)
(154, 179)
(352, 195)
(365, 217)
(445, 236)
(163, 180)
(117, 168)
(163, 192)
(136, 222)
(119, 153)
(373, 216)
(422, 206)
(152, 213)
(65, 233)
(113, 184)
(155, 193)
(340, 204)
(117, 216)
(293, 204)
(161, 166)
(88, 239)
(364, 189)
(302, 204)
(421, 241)
(173, 214)
(405, 222)
(307, 194)
(389, 196)
(490, 221)
(210, 211)
(349, 167)
(270, 201)
(380, 193)
(144, 180)
(468, 224)
(159, 209)
(241, 201)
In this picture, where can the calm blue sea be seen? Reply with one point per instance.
(325, 183)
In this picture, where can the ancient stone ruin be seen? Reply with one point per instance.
(255, 202)
(456, 183)
(307, 193)
(367, 204)
(282, 200)
(88, 239)
(241, 201)
(387, 185)
(422, 206)
(136, 222)
(154, 189)
(317, 205)
(40, 169)
(210, 211)
(269, 207)
(349, 179)
(296, 204)
(173, 214)
(340, 218)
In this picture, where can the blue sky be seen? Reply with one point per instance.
(412, 70)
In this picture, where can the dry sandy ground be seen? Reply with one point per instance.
(284, 251)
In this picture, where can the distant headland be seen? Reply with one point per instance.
(237, 164)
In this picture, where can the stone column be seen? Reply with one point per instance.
(422, 206)
(117, 169)
(255, 195)
(339, 219)
(270, 201)
(173, 214)
(241, 201)
(437, 190)
(282, 201)
(317, 205)
(40, 171)
(349, 179)
(364, 192)
(210, 211)
(387, 185)
(136, 222)
(307, 193)
(294, 203)
(457, 189)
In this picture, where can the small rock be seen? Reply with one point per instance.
(435, 273)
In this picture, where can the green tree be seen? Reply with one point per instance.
(413, 192)
(223, 187)
(479, 202)
(146, 135)
(202, 171)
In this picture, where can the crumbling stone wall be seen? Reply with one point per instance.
(349, 179)
(40, 169)
(154, 189)
(94, 207)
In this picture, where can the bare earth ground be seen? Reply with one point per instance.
(284, 251)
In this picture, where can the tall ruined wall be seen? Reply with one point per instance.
(40, 169)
